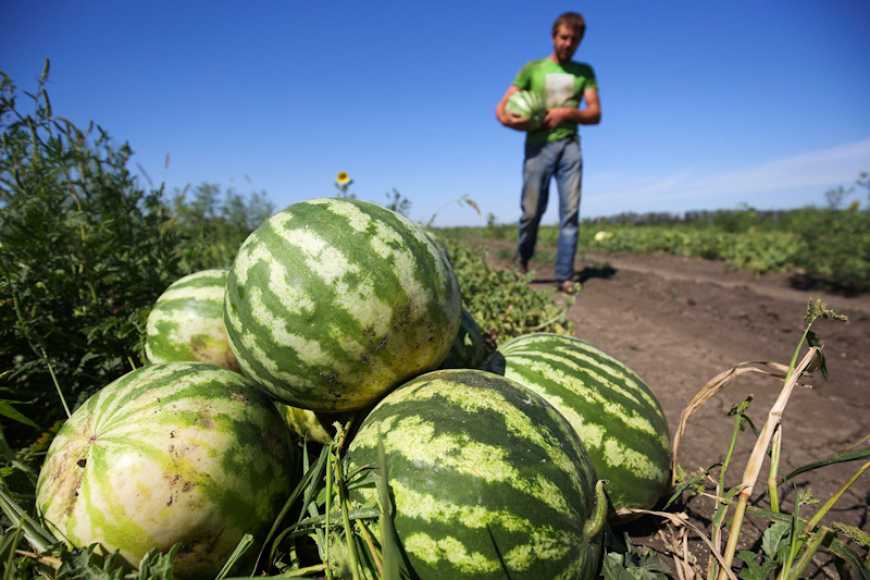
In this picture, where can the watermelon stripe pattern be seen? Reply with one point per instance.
(177, 452)
(333, 301)
(186, 323)
(484, 475)
(527, 105)
(616, 415)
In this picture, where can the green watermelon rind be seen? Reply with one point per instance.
(186, 322)
(332, 302)
(483, 474)
(617, 416)
(175, 452)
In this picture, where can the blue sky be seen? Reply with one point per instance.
(705, 104)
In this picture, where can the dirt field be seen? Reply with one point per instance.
(678, 322)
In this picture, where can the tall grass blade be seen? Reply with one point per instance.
(10, 543)
(309, 479)
(389, 542)
(855, 455)
(36, 535)
(817, 517)
(10, 412)
(243, 546)
(56, 384)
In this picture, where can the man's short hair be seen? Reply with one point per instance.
(572, 20)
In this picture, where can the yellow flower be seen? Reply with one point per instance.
(342, 178)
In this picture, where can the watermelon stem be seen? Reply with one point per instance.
(594, 525)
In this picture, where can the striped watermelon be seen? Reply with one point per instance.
(471, 348)
(616, 415)
(527, 105)
(175, 452)
(488, 480)
(187, 324)
(332, 302)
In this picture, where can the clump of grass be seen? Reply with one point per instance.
(501, 301)
(791, 542)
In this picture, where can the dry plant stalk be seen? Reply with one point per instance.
(756, 459)
(711, 389)
(681, 520)
(49, 561)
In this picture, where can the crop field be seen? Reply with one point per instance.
(195, 385)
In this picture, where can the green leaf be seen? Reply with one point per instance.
(855, 534)
(86, 564)
(752, 569)
(854, 455)
(244, 544)
(848, 556)
(157, 566)
(775, 539)
(613, 568)
(10, 412)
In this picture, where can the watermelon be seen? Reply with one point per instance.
(471, 347)
(487, 479)
(527, 105)
(332, 302)
(187, 324)
(175, 452)
(615, 413)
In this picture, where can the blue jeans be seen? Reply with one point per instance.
(562, 160)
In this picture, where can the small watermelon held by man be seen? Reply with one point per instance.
(528, 106)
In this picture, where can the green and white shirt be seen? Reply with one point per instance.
(561, 86)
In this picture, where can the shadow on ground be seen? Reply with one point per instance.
(602, 271)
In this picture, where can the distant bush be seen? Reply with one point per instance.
(84, 251)
(212, 224)
(836, 249)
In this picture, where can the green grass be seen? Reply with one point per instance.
(823, 247)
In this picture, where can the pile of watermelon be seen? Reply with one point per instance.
(506, 463)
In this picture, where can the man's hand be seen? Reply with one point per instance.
(515, 122)
(588, 115)
(558, 116)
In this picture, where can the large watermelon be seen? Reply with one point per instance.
(488, 480)
(332, 302)
(616, 415)
(175, 452)
(187, 322)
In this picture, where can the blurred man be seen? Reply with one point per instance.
(553, 150)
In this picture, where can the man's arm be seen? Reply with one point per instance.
(507, 119)
(588, 115)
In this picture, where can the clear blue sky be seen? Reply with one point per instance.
(706, 104)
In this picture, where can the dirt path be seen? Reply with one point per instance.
(679, 322)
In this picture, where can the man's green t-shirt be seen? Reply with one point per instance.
(561, 86)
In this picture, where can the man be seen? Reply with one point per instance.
(553, 150)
